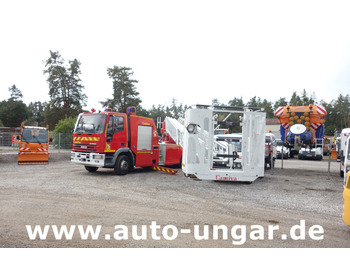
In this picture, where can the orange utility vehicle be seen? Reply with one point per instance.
(120, 141)
(34, 145)
(301, 127)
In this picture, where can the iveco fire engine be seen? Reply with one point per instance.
(120, 141)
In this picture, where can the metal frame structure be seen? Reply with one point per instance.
(199, 144)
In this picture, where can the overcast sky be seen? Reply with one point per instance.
(193, 51)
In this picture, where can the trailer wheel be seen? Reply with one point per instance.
(122, 166)
(91, 169)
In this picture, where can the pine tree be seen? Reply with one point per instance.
(124, 90)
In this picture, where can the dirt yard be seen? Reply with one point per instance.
(63, 193)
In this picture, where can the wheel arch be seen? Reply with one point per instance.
(124, 151)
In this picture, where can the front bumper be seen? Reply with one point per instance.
(279, 154)
(88, 159)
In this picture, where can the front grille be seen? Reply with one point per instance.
(87, 148)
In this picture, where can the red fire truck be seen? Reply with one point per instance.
(120, 141)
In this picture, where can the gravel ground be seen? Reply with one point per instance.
(63, 193)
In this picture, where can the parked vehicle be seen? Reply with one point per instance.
(33, 145)
(343, 149)
(310, 153)
(270, 150)
(301, 125)
(346, 196)
(282, 147)
(120, 141)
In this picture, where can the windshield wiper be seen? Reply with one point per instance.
(37, 140)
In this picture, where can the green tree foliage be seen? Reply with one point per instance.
(338, 114)
(37, 110)
(305, 99)
(65, 88)
(13, 111)
(254, 102)
(236, 102)
(62, 132)
(295, 100)
(176, 111)
(267, 105)
(280, 102)
(16, 94)
(124, 90)
(65, 125)
(215, 102)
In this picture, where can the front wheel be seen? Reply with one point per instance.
(122, 166)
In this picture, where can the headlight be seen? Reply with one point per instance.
(191, 128)
(97, 156)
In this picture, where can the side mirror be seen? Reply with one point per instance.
(18, 137)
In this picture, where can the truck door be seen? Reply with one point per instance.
(116, 133)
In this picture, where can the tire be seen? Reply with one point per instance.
(122, 165)
(91, 169)
(267, 161)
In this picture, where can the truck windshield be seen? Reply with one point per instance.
(91, 124)
(34, 135)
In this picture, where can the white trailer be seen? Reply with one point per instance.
(344, 135)
(200, 160)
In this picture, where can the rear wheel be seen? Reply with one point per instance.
(122, 165)
(91, 169)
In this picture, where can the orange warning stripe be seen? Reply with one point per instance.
(164, 169)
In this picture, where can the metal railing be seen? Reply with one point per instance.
(58, 140)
